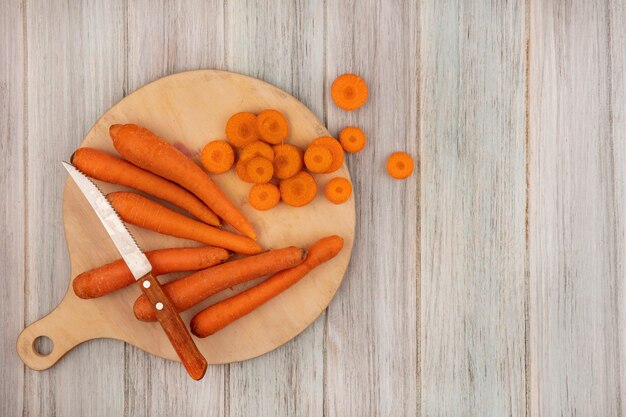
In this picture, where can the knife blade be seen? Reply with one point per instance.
(141, 269)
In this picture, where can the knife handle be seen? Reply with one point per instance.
(175, 329)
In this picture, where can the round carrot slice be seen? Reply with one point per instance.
(241, 129)
(264, 196)
(352, 139)
(318, 159)
(217, 157)
(259, 170)
(287, 161)
(334, 147)
(272, 126)
(349, 92)
(257, 148)
(338, 190)
(240, 169)
(399, 165)
(298, 190)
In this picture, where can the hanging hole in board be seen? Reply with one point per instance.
(43, 345)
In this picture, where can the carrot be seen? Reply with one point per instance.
(400, 165)
(115, 275)
(334, 147)
(272, 126)
(338, 190)
(318, 159)
(257, 148)
(241, 129)
(259, 170)
(264, 196)
(190, 290)
(148, 151)
(298, 190)
(352, 139)
(240, 169)
(140, 211)
(223, 313)
(287, 161)
(106, 167)
(349, 92)
(217, 157)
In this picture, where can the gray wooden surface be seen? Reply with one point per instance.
(490, 283)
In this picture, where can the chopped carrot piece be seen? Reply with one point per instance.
(264, 196)
(318, 159)
(240, 169)
(257, 148)
(287, 161)
(338, 190)
(217, 157)
(272, 126)
(259, 170)
(334, 147)
(298, 190)
(352, 139)
(399, 165)
(349, 92)
(241, 129)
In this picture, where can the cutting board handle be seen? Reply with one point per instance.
(64, 328)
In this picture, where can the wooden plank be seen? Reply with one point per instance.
(12, 206)
(472, 336)
(371, 349)
(165, 37)
(74, 73)
(284, 47)
(576, 208)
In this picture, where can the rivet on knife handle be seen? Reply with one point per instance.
(174, 327)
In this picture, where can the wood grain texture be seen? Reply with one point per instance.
(12, 205)
(74, 73)
(472, 68)
(576, 209)
(166, 37)
(371, 342)
(284, 47)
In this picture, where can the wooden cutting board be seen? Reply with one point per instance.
(189, 109)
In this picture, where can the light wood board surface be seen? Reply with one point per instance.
(490, 283)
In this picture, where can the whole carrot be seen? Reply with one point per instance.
(115, 275)
(192, 289)
(106, 167)
(148, 151)
(220, 315)
(143, 212)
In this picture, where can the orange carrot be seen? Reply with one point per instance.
(190, 290)
(217, 157)
(140, 211)
(318, 159)
(272, 126)
(298, 190)
(106, 167)
(148, 151)
(264, 196)
(115, 275)
(241, 129)
(223, 313)
(338, 190)
(400, 165)
(240, 169)
(352, 139)
(349, 92)
(334, 147)
(257, 148)
(259, 170)
(287, 161)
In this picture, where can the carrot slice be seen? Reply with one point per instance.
(241, 129)
(334, 147)
(259, 170)
(349, 92)
(318, 159)
(264, 196)
(272, 126)
(257, 148)
(400, 165)
(352, 139)
(287, 161)
(338, 190)
(240, 169)
(217, 157)
(298, 190)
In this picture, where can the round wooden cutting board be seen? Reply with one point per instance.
(189, 109)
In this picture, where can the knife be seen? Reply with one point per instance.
(140, 267)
